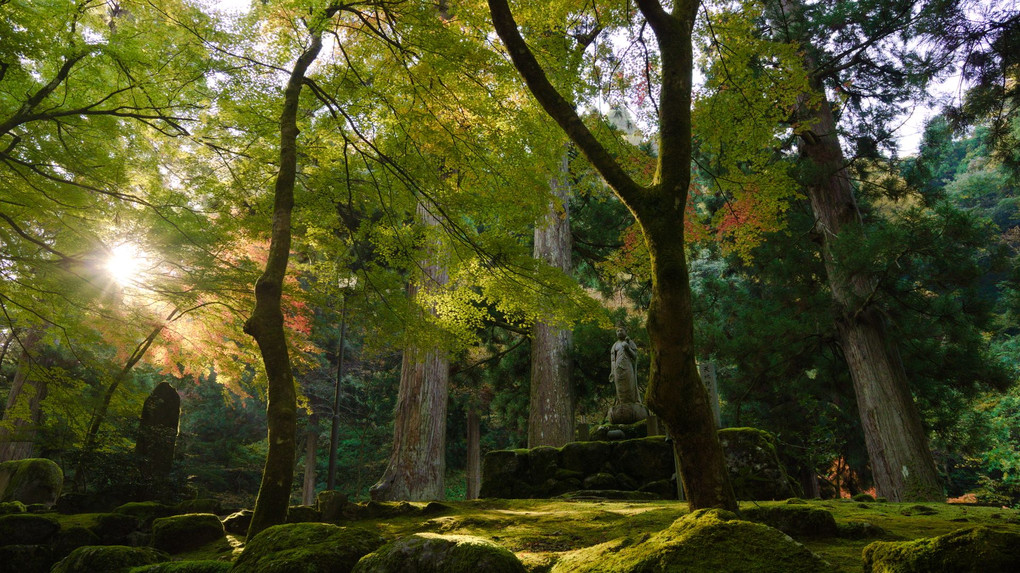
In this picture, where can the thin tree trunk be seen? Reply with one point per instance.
(311, 444)
(99, 416)
(551, 409)
(23, 411)
(266, 322)
(901, 460)
(417, 465)
(334, 432)
(474, 454)
(675, 391)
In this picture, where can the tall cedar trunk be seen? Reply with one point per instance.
(417, 464)
(474, 454)
(17, 432)
(675, 391)
(266, 322)
(901, 460)
(311, 445)
(551, 409)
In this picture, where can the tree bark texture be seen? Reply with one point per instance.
(551, 408)
(901, 460)
(23, 411)
(474, 454)
(266, 322)
(675, 391)
(311, 445)
(417, 465)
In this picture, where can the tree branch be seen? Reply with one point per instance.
(554, 104)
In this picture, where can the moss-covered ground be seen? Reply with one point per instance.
(542, 532)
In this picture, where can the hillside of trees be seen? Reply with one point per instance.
(368, 242)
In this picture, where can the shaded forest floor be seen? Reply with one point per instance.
(541, 532)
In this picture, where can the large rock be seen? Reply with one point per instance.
(331, 505)
(306, 547)
(32, 480)
(145, 511)
(26, 559)
(706, 540)
(970, 550)
(433, 553)
(157, 431)
(795, 520)
(237, 523)
(116, 528)
(108, 559)
(755, 470)
(26, 529)
(185, 532)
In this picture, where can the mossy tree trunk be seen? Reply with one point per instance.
(551, 408)
(901, 461)
(417, 464)
(266, 322)
(23, 411)
(675, 391)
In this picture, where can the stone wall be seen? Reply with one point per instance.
(642, 465)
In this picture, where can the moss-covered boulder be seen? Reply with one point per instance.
(331, 505)
(116, 528)
(108, 559)
(303, 514)
(146, 511)
(32, 480)
(795, 520)
(67, 540)
(307, 548)
(26, 529)
(707, 540)
(179, 533)
(9, 507)
(970, 550)
(26, 559)
(433, 553)
(237, 523)
(205, 505)
(202, 566)
(755, 470)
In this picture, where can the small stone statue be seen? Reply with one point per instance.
(623, 374)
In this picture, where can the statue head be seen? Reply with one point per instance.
(621, 333)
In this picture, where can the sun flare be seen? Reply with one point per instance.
(124, 264)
